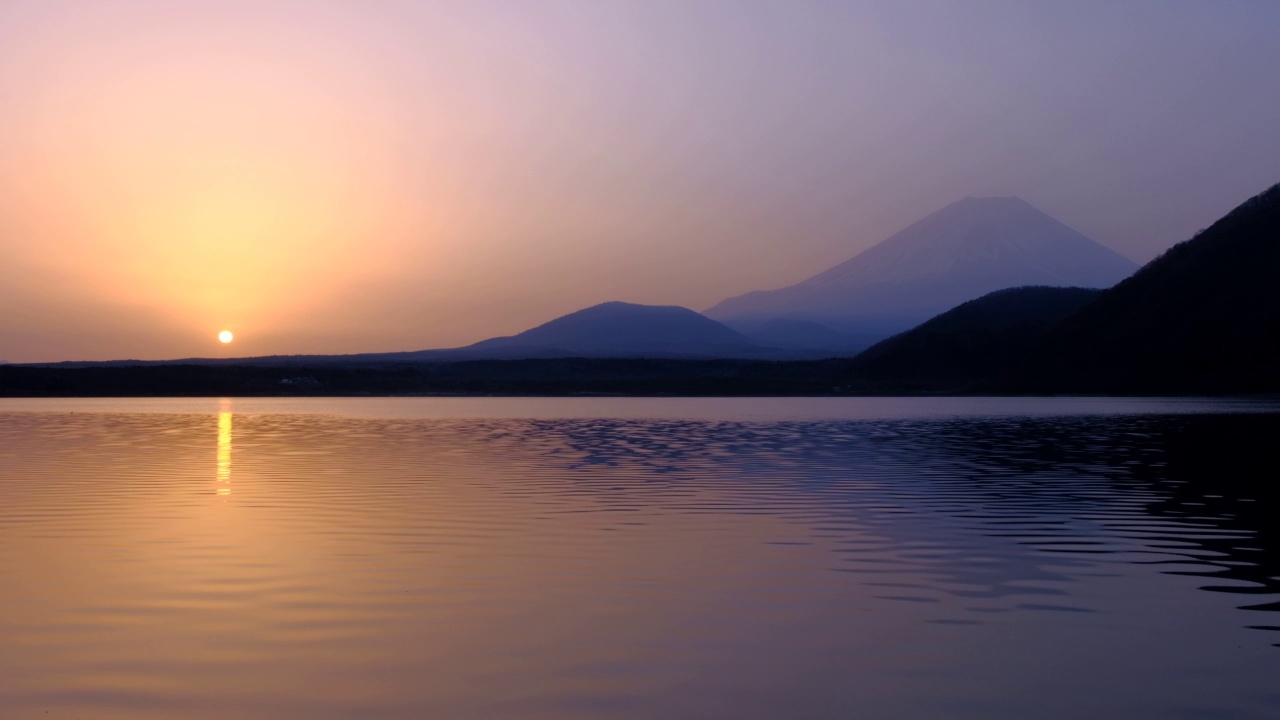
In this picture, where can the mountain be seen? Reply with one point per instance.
(786, 332)
(607, 330)
(1204, 317)
(961, 252)
(969, 343)
(807, 339)
(613, 329)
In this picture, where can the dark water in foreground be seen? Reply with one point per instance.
(489, 558)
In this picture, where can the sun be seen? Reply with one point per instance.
(225, 337)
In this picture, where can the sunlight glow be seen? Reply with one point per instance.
(225, 337)
(224, 454)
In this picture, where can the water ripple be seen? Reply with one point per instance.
(295, 564)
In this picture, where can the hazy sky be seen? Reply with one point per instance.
(379, 175)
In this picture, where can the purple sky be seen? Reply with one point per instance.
(340, 177)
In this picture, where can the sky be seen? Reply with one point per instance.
(331, 177)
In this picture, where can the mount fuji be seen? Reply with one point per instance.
(968, 249)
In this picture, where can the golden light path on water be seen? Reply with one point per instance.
(224, 452)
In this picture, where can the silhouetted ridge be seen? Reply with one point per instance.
(1202, 317)
(975, 340)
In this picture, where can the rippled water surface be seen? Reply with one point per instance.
(578, 558)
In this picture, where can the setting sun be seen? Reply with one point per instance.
(225, 336)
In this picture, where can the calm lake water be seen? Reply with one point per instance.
(639, 558)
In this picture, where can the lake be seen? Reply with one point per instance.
(639, 558)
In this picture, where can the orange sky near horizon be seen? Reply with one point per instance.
(347, 177)
(205, 179)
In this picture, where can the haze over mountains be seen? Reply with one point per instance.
(615, 329)
(1204, 317)
(959, 253)
(967, 249)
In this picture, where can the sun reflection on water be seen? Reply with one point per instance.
(224, 453)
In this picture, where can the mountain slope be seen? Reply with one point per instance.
(1203, 317)
(616, 329)
(786, 332)
(970, 342)
(793, 338)
(967, 249)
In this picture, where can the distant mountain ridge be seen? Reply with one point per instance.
(959, 253)
(607, 330)
(619, 329)
(956, 254)
(1203, 318)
